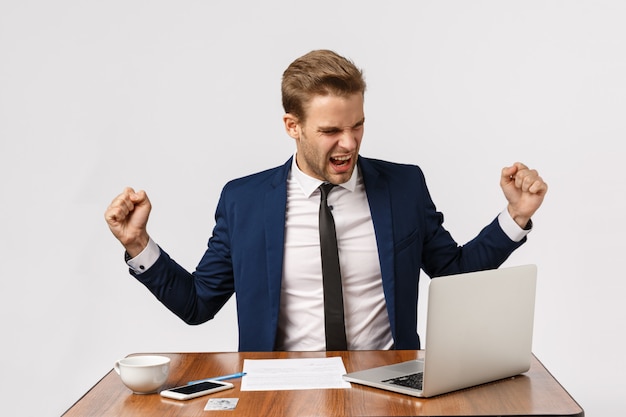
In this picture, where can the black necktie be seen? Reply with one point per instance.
(333, 294)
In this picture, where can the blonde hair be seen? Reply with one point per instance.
(320, 72)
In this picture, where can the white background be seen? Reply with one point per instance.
(177, 97)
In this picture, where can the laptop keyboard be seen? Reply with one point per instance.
(411, 381)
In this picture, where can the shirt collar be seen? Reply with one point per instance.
(308, 184)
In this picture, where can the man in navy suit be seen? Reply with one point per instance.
(265, 245)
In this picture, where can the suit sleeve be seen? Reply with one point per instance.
(442, 255)
(195, 297)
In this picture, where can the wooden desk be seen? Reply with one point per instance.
(535, 393)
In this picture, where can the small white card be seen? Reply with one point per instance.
(221, 404)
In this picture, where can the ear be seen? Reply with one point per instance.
(291, 125)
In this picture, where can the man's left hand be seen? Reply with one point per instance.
(524, 189)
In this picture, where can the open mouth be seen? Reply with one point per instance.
(340, 160)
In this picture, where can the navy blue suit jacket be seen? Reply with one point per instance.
(245, 252)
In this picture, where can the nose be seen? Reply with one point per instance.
(349, 140)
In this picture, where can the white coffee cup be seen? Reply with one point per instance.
(143, 374)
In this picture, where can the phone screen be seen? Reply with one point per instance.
(192, 389)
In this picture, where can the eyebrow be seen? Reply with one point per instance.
(336, 129)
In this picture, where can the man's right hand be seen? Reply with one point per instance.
(127, 217)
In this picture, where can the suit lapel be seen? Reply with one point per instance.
(377, 189)
(274, 207)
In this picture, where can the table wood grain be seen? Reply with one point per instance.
(535, 393)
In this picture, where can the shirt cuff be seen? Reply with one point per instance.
(512, 229)
(140, 263)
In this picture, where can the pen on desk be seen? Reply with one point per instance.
(218, 378)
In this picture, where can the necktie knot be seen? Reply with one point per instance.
(325, 189)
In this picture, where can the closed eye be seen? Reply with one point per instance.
(335, 130)
(359, 124)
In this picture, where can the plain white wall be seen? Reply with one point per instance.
(177, 97)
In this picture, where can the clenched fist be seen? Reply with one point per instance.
(127, 217)
(524, 189)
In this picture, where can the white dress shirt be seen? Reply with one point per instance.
(301, 317)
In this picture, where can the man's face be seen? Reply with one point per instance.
(328, 141)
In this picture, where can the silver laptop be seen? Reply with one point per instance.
(479, 329)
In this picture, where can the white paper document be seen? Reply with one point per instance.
(293, 374)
